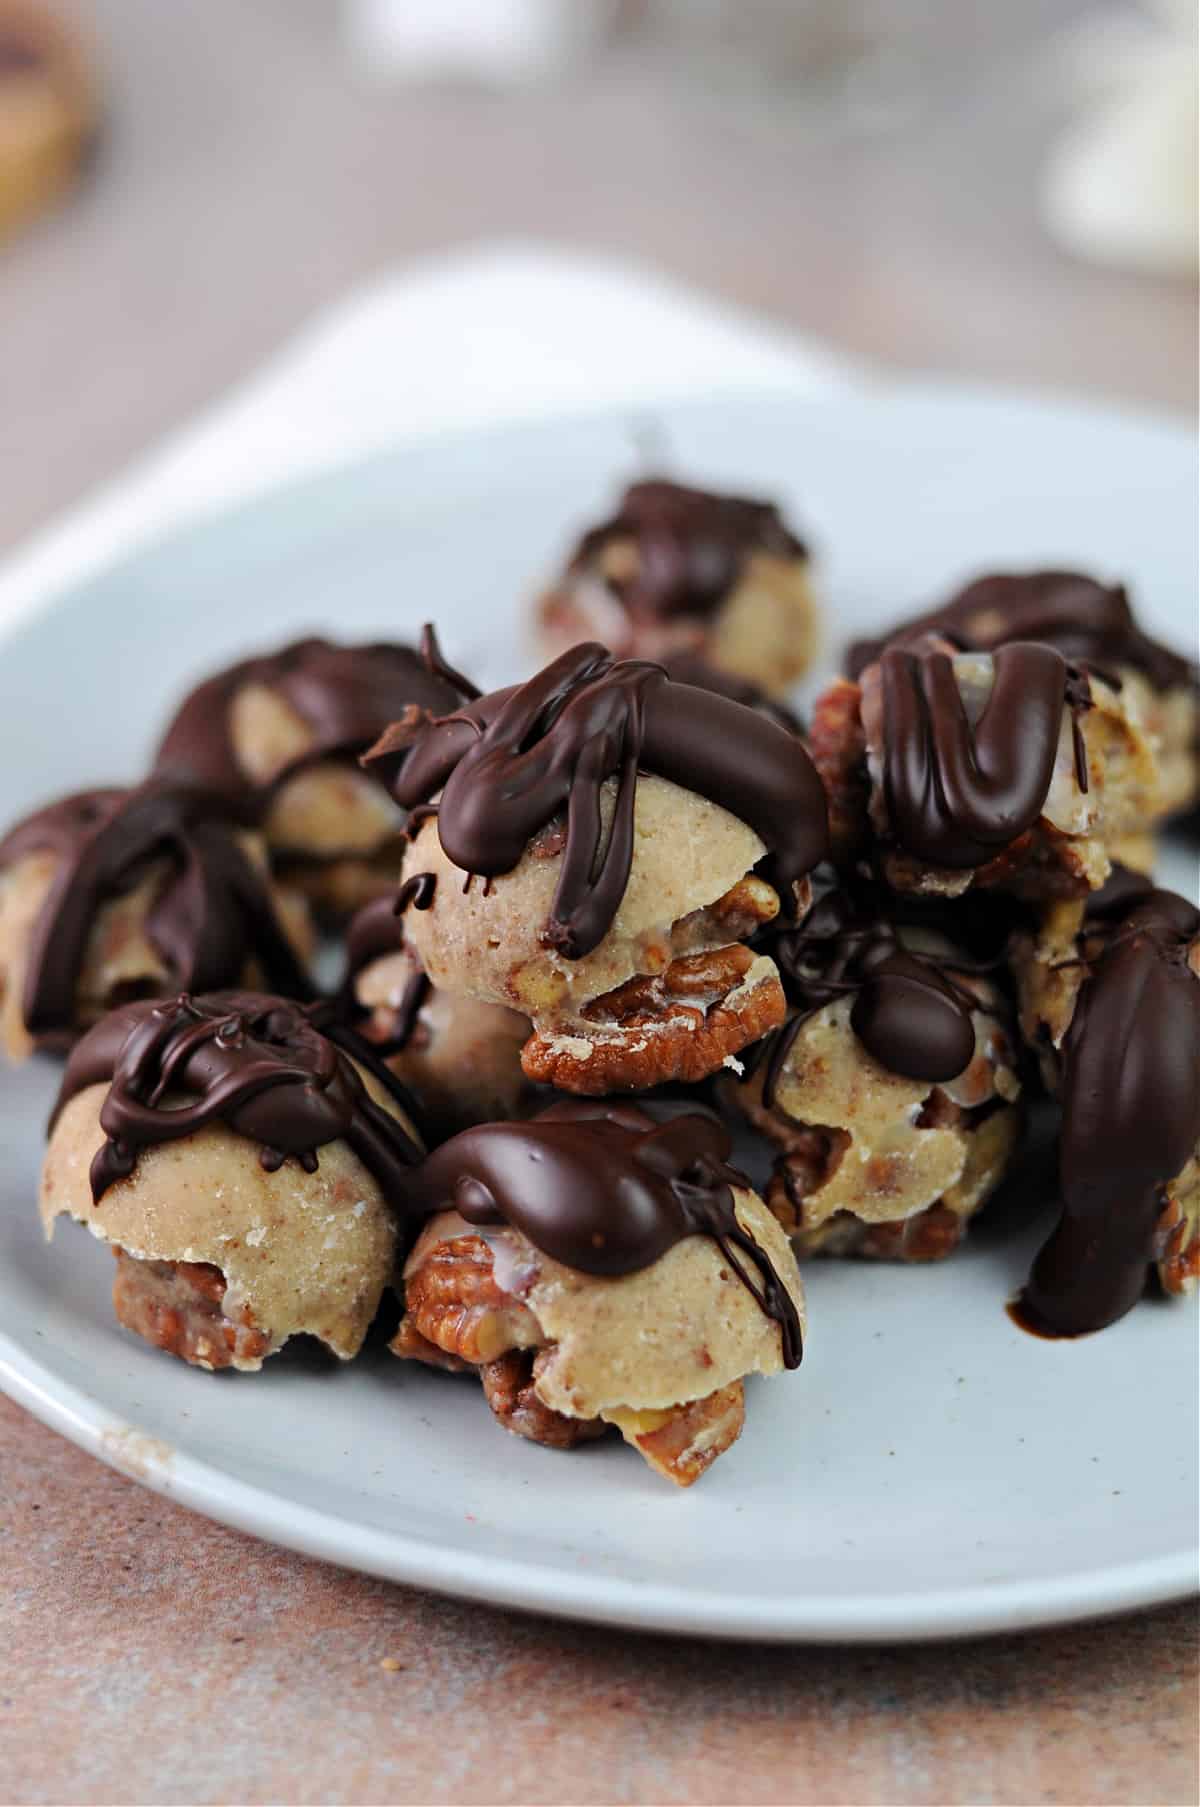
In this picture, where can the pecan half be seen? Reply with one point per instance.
(684, 1440)
(179, 1306)
(452, 1301)
(677, 1041)
(509, 1388)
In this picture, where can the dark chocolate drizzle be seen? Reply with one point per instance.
(508, 763)
(1089, 623)
(691, 546)
(375, 934)
(910, 1012)
(416, 893)
(957, 793)
(212, 914)
(277, 1073)
(1131, 1111)
(606, 1187)
(346, 695)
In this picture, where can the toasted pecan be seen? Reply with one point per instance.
(179, 1306)
(509, 1388)
(452, 1300)
(837, 742)
(684, 1440)
(682, 1042)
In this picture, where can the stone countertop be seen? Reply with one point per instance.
(149, 1656)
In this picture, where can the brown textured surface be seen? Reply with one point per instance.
(148, 1656)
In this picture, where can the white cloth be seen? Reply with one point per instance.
(486, 335)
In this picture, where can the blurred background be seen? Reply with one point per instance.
(1004, 192)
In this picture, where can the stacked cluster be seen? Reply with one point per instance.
(606, 919)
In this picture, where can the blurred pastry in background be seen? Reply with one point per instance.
(48, 111)
(1012, 769)
(1092, 625)
(690, 668)
(679, 570)
(280, 735)
(460, 1058)
(110, 895)
(246, 1168)
(602, 1265)
(891, 1093)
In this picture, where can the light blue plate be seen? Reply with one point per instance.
(931, 1470)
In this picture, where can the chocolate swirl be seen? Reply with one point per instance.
(345, 695)
(1131, 1111)
(212, 912)
(281, 1075)
(956, 791)
(691, 546)
(910, 1011)
(1089, 623)
(607, 1187)
(507, 764)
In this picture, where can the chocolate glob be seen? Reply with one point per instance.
(607, 1187)
(1131, 1109)
(507, 764)
(211, 913)
(909, 1011)
(691, 545)
(1089, 623)
(280, 1075)
(345, 695)
(959, 791)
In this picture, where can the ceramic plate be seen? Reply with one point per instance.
(931, 1470)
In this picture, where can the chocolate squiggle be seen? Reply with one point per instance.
(279, 1074)
(507, 764)
(212, 913)
(692, 547)
(605, 1187)
(346, 696)
(1131, 1112)
(1089, 623)
(957, 792)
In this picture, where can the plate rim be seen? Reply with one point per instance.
(982, 1608)
(985, 1608)
(870, 388)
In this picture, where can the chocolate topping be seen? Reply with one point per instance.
(346, 695)
(957, 791)
(606, 1187)
(374, 934)
(256, 1063)
(1087, 622)
(909, 1012)
(691, 547)
(507, 764)
(1131, 1112)
(212, 913)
